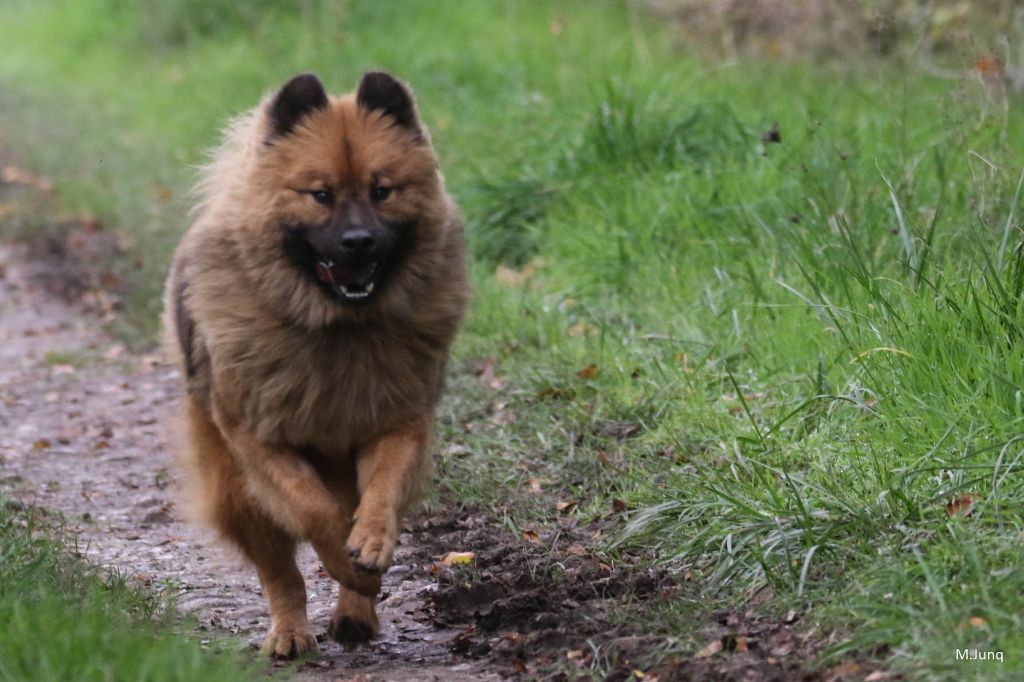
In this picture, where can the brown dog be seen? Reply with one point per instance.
(311, 306)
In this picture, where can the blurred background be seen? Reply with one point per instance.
(116, 99)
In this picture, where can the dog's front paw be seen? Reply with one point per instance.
(289, 642)
(371, 544)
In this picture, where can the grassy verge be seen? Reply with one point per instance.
(65, 620)
(797, 364)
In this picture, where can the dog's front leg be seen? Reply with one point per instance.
(390, 473)
(295, 495)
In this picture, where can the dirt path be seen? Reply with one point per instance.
(82, 432)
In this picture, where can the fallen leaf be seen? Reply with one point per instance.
(114, 352)
(457, 558)
(880, 676)
(710, 650)
(782, 650)
(742, 644)
(684, 360)
(582, 329)
(962, 505)
(990, 67)
(618, 430)
(566, 506)
(618, 506)
(844, 671)
(486, 370)
(89, 222)
(12, 175)
(509, 277)
(531, 536)
(587, 372)
(463, 642)
(534, 484)
(517, 278)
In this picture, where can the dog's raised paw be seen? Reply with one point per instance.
(372, 545)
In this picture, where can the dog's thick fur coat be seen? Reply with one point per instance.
(310, 413)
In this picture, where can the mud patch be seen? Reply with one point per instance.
(552, 610)
(78, 261)
(71, 257)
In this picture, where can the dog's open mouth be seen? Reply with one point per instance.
(350, 282)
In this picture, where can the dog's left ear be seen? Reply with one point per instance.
(380, 91)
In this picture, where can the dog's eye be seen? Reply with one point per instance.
(322, 196)
(379, 193)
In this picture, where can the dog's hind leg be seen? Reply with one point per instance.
(272, 551)
(354, 619)
(227, 504)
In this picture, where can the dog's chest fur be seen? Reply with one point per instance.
(332, 390)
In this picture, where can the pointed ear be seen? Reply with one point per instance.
(297, 99)
(380, 91)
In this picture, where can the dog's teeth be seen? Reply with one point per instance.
(355, 295)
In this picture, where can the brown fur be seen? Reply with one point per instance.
(309, 418)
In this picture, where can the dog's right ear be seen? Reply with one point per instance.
(380, 91)
(297, 99)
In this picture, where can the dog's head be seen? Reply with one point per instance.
(354, 216)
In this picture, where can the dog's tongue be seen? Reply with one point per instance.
(332, 273)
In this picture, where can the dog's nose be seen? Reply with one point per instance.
(356, 242)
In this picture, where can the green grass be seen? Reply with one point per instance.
(65, 620)
(820, 339)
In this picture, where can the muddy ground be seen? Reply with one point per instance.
(83, 433)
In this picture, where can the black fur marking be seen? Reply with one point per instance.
(300, 253)
(348, 630)
(297, 99)
(184, 323)
(380, 91)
